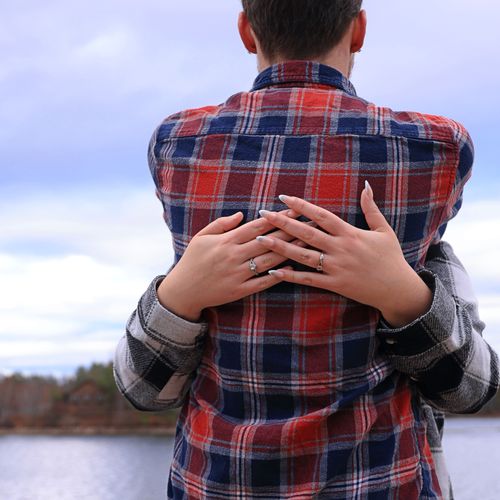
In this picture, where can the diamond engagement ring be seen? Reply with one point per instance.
(253, 266)
(320, 264)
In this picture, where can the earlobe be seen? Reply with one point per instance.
(359, 32)
(246, 34)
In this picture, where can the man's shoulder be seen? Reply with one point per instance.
(200, 121)
(427, 126)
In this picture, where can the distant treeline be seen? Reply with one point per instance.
(87, 401)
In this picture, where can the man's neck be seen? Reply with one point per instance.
(340, 59)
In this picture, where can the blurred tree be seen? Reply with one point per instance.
(101, 374)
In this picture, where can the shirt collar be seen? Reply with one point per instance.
(303, 73)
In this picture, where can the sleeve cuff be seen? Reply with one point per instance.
(165, 325)
(425, 332)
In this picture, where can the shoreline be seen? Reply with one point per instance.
(147, 431)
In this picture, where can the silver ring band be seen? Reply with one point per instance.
(253, 266)
(320, 264)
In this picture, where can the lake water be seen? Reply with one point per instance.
(136, 468)
(84, 468)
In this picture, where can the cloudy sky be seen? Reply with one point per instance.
(83, 85)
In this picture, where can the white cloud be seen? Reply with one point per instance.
(489, 309)
(41, 349)
(69, 308)
(74, 285)
(108, 47)
(475, 234)
(122, 228)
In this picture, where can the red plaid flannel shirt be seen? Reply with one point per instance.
(294, 397)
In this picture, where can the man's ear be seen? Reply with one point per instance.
(358, 32)
(246, 33)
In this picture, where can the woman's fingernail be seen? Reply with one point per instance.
(263, 213)
(277, 274)
(283, 197)
(369, 189)
(263, 238)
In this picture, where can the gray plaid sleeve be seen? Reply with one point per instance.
(443, 351)
(155, 361)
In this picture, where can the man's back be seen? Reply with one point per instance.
(293, 397)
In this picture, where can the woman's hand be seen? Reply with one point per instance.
(215, 268)
(365, 266)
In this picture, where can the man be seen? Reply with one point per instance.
(298, 393)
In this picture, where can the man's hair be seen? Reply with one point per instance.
(300, 29)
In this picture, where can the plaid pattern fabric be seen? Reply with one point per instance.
(293, 397)
(441, 344)
(156, 360)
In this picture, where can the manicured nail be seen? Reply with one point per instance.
(284, 198)
(263, 213)
(263, 238)
(369, 189)
(277, 274)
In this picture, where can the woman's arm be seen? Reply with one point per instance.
(156, 359)
(443, 351)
